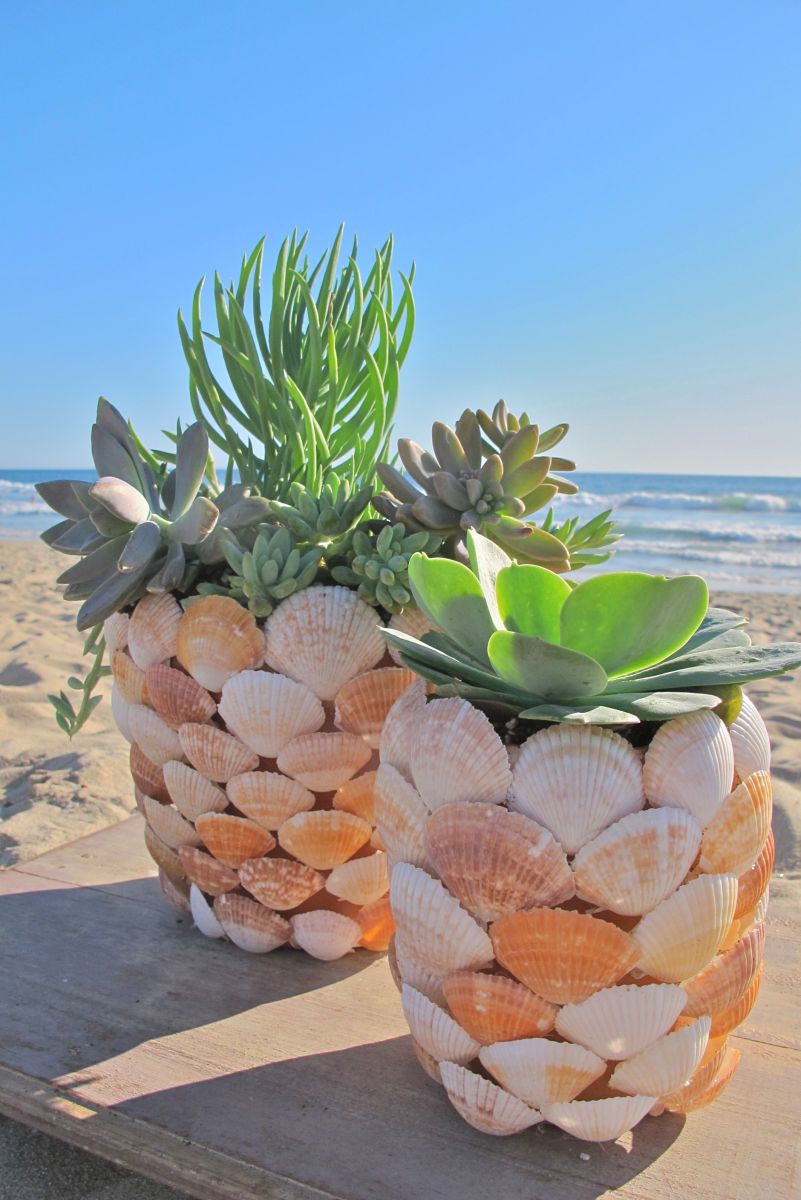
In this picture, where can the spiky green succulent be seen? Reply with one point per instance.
(614, 650)
(333, 512)
(490, 474)
(377, 562)
(272, 569)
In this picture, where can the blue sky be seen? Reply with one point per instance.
(602, 199)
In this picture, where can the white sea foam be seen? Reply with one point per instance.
(731, 502)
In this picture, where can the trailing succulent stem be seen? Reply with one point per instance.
(72, 719)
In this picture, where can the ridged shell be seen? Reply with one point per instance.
(203, 914)
(280, 883)
(207, 872)
(443, 935)
(191, 792)
(679, 937)
(496, 862)
(323, 636)
(731, 1018)
(147, 776)
(562, 956)
(483, 1104)
(119, 711)
(666, 1064)
(401, 817)
(737, 833)
(635, 863)
(174, 892)
(363, 703)
(752, 884)
(360, 881)
(324, 838)
(177, 697)
(153, 736)
(267, 711)
(130, 680)
(493, 1008)
(357, 796)
(539, 1071)
(115, 631)
(397, 736)
(215, 753)
(168, 824)
(427, 1061)
(325, 935)
(233, 839)
(435, 1030)
(216, 638)
(619, 1022)
(164, 856)
(707, 1083)
(153, 628)
(727, 978)
(323, 761)
(268, 798)
(457, 755)
(412, 621)
(690, 764)
(599, 1120)
(250, 925)
(408, 968)
(576, 780)
(377, 924)
(750, 740)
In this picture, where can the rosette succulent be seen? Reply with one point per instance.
(310, 517)
(267, 573)
(377, 562)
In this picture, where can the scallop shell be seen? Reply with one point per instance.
(562, 956)
(576, 780)
(268, 798)
(203, 914)
(130, 680)
(267, 711)
(666, 1064)
(435, 1030)
(191, 792)
(377, 924)
(279, 883)
(177, 697)
(323, 761)
(207, 872)
(250, 925)
(539, 1071)
(153, 628)
(412, 621)
(233, 839)
(174, 892)
(147, 776)
(619, 1022)
(427, 1061)
(115, 631)
(395, 743)
(323, 636)
(457, 755)
(411, 969)
(727, 978)
(679, 937)
(707, 1083)
(216, 638)
(496, 862)
(119, 711)
(360, 881)
(483, 1104)
(723, 1023)
(363, 703)
(325, 935)
(164, 856)
(324, 838)
(494, 1008)
(168, 824)
(599, 1120)
(401, 817)
(737, 833)
(357, 796)
(153, 736)
(215, 753)
(637, 862)
(750, 740)
(443, 936)
(690, 764)
(752, 884)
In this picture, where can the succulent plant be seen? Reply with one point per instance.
(489, 474)
(311, 518)
(271, 570)
(616, 649)
(377, 561)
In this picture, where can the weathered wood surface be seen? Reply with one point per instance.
(236, 1076)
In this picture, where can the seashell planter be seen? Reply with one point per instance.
(253, 755)
(580, 924)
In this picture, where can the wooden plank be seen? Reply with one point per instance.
(232, 1075)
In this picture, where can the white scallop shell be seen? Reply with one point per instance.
(750, 740)
(444, 936)
(203, 914)
(436, 1030)
(599, 1120)
(153, 628)
(268, 798)
(412, 971)
(457, 755)
(192, 793)
(541, 1072)
(267, 711)
(412, 621)
(153, 736)
(618, 1022)
(168, 824)
(250, 925)
(690, 764)
(322, 637)
(361, 880)
(576, 780)
(666, 1064)
(324, 935)
(115, 632)
(395, 743)
(682, 934)
(483, 1104)
(401, 817)
(119, 711)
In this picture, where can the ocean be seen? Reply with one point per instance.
(742, 533)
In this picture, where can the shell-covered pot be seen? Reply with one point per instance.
(580, 922)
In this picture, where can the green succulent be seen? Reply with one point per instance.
(614, 650)
(312, 518)
(490, 474)
(377, 561)
(271, 570)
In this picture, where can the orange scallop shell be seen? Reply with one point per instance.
(207, 872)
(362, 705)
(376, 923)
(727, 978)
(216, 754)
(322, 762)
(216, 638)
(268, 798)
(706, 1084)
(177, 697)
(233, 839)
(153, 628)
(325, 838)
(735, 836)
(751, 885)
(494, 1008)
(724, 1022)
(147, 776)
(164, 856)
(280, 883)
(130, 680)
(357, 796)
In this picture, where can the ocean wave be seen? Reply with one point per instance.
(708, 532)
(16, 508)
(783, 560)
(731, 502)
